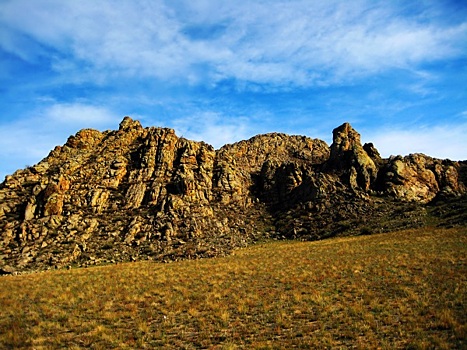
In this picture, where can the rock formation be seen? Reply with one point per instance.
(145, 193)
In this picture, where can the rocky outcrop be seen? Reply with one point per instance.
(240, 168)
(145, 193)
(419, 178)
(350, 159)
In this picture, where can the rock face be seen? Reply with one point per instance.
(145, 193)
(351, 160)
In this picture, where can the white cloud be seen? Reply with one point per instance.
(25, 143)
(264, 46)
(78, 114)
(278, 42)
(214, 129)
(27, 140)
(447, 141)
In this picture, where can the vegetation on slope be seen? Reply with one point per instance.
(401, 290)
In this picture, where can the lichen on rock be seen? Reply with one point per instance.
(145, 193)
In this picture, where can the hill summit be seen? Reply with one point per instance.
(144, 193)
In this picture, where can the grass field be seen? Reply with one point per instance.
(404, 290)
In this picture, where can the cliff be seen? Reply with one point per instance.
(145, 193)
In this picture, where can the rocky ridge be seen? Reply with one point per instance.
(145, 193)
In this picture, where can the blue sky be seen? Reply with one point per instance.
(223, 71)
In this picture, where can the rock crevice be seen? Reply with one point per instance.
(145, 193)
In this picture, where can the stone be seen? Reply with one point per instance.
(128, 124)
(137, 192)
(29, 211)
(7, 270)
(420, 178)
(350, 158)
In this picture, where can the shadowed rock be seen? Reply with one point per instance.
(145, 193)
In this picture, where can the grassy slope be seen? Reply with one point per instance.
(401, 290)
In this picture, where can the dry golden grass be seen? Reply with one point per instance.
(402, 290)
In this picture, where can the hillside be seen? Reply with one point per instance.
(402, 290)
(146, 194)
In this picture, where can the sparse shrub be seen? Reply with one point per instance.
(107, 246)
(364, 231)
(345, 226)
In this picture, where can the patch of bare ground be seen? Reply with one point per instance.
(403, 290)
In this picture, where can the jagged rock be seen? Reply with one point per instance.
(98, 199)
(30, 210)
(141, 192)
(373, 153)
(420, 178)
(239, 166)
(350, 158)
(128, 124)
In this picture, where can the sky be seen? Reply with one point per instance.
(222, 71)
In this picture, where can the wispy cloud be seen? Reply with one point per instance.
(295, 42)
(78, 114)
(24, 143)
(222, 71)
(442, 142)
(214, 129)
(27, 140)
